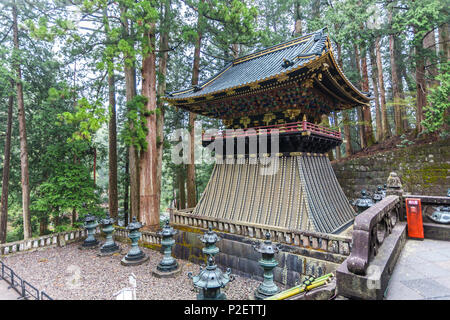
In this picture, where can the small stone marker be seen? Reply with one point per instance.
(128, 293)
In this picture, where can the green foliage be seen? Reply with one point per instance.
(89, 117)
(136, 130)
(437, 112)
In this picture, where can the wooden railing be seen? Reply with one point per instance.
(301, 126)
(312, 240)
(370, 229)
(42, 241)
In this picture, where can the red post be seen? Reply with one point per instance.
(414, 218)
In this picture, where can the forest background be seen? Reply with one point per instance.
(85, 129)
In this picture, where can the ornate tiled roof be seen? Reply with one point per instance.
(281, 65)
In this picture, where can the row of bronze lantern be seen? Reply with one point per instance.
(209, 281)
(135, 255)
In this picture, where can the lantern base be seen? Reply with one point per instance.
(263, 294)
(159, 273)
(109, 250)
(89, 245)
(134, 260)
(220, 296)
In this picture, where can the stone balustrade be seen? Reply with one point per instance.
(370, 229)
(61, 238)
(54, 239)
(312, 240)
(147, 237)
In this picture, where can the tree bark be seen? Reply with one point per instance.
(113, 194)
(181, 188)
(113, 201)
(298, 18)
(43, 222)
(126, 209)
(348, 144)
(162, 68)
(386, 131)
(399, 129)
(421, 90)
(361, 126)
(190, 181)
(149, 200)
(6, 169)
(367, 116)
(444, 42)
(429, 44)
(379, 126)
(133, 157)
(23, 134)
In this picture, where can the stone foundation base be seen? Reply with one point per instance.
(93, 245)
(170, 274)
(125, 262)
(109, 253)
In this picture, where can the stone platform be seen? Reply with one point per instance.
(422, 272)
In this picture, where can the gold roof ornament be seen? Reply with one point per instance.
(308, 83)
(268, 117)
(245, 121)
(291, 113)
(227, 122)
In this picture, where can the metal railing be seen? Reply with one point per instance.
(22, 287)
(301, 126)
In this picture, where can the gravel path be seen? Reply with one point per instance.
(67, 273)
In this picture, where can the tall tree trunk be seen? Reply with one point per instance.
(149, 204)
(298, 18)
(133, 157)
(386, 131)
(113, 201)
(162, 68)
(345, 115)
(379, 126)
(23, 134)
(421, 90)
(43, 222)
(394, 80)
(113, 194)
(190, 182)
(348, 144)
(361, 126)
(429, 44)
(6, 169)
(444, 42)
(368, 129)
(126, 209)
(399, 68)
(181, 188)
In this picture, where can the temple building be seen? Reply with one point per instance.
(280, 92)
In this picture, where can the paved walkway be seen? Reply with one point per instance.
(7, 294)
(422, 272)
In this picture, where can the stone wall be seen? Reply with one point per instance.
(423, 169)
(237, 253)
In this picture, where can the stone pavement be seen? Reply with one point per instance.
(422, 272)
(7, 294)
